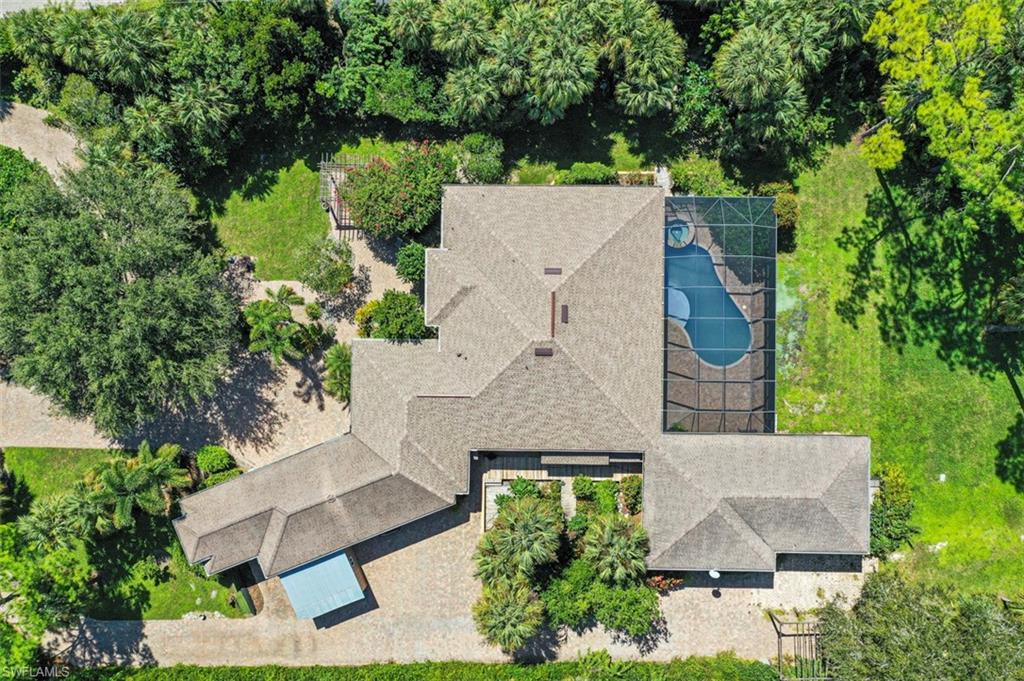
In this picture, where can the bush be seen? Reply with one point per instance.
(787, 203)
(552, 490)
(314, 311)
(338, 372)
(83, 106)
(583, 487)
(482, 162)
(607, 496)
(329, 267)
(632, 610)
(213, 459)
(588, 173)
(15, 170)
(579, 524)
(637, 178)
(633, 493)
(403, 198)
(508, 615)
(891, 511)
(396, 316)
(522, 487)
(218, 478)
(567, 597)
(412, 262)
(702, 177)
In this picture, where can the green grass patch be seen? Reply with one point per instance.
(143, 574)
(918, 412)
(274, 212)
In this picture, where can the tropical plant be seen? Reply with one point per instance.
(411, 262)
(60, 520)
(525, 536)
(223, 476)
(482, 158)
(329, 268)
(338, 371)
(145, 481)
(633, 610)
(107, 306)
(212, 459)
(284, 295)
(130, 48)
(524, 487)
(617, 547)
(272, 330)
(461, 29)
(632, 493)
(891, 511)
(567, 597)
(312, 337)
(395, 316)
(606, 494)
(508, 614)
(583, 487)
(409, 23)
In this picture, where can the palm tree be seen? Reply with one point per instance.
(271, 329)
(508, 615)
(149, 123)
(562, 74)
(338, 371)
(285, 295)
(72, 39)
(617, 548)
(461, 29)
(129, 48)
(58, 521)
(200, 107)
(409, 23)
(472, 94)
(753, 67)
(525, 536)
(145, 481)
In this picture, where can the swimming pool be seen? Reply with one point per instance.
(696, 300)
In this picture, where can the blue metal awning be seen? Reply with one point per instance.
(322, 586)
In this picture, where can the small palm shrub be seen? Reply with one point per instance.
(525, 536)
(411, 263)
(606, 494)
(508, 615)
(583, 487)
(314, 311)
(213, 459)
(617, 547)
(338, 372)
(632, 493)
(272, 330)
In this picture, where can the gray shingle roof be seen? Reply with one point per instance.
(418, 409)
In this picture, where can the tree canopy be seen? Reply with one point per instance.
(108, 305)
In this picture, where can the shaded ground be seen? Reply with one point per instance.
(22, 127)
(419, 607)
(918, 412)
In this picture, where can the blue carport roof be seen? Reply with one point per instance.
(322, 586)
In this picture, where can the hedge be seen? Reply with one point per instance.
(722, 667)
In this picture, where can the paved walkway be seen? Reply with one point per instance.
(419, 608)
(22, 127)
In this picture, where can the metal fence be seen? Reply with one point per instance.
(799, 654)
(333, 170)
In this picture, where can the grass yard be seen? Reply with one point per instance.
(918, 412)
(275, 212)
(143, 572)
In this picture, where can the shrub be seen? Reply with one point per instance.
(583, 487)
(401, 198)
(412, 262)
(213, 459)
(15, 169)
(632, 610)
(891, 511)
(607, 496)
(637, 178)
(567, 597)
(579, 524)
(338, 372)
(588, 173)
(787, 203)
(523, 487)
(396, 316)
(82, 105)
(633, 493)
(552, 490)
(218, 478)
(702, 177)
(329, 267)
(663, 583)
(314, 311)
(481, 163)
(508, 614)
(617, 547)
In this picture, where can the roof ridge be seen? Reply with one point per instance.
(733, 516)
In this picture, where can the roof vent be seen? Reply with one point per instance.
(544, 352)
(565, 314)
(552, 270)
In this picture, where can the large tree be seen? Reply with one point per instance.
(108, 305)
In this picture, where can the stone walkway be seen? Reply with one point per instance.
(22, 127)
(419, 608)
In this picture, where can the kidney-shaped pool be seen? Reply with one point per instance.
(697, 301)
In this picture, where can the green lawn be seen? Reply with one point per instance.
(143, 574)
(918, 412)
(275, 212)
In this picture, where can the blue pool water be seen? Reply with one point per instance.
(696, 300)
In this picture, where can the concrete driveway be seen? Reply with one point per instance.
(419, 608)
(22, 127)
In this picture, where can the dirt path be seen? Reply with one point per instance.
(22, 127)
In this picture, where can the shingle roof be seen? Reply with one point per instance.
(506, 373)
